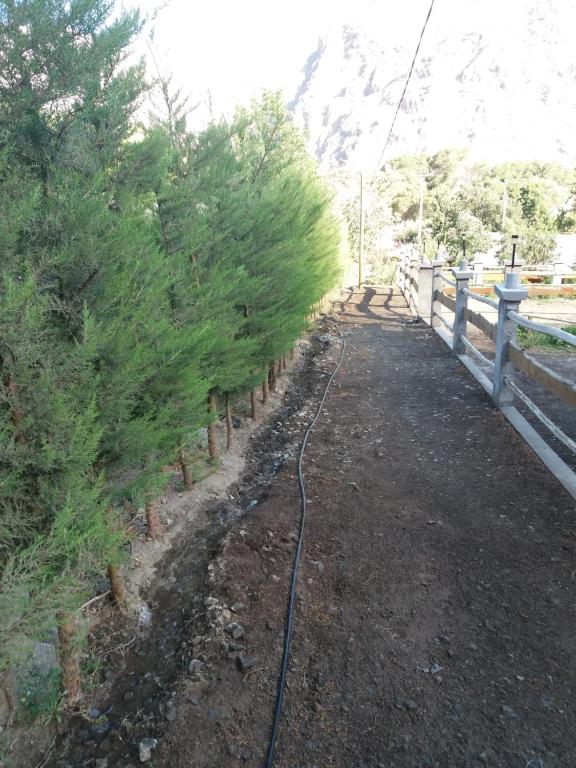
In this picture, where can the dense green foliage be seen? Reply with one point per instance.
(140, 271)
(469, 204)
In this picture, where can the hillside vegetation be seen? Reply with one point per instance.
(148, 277)
(464, 205)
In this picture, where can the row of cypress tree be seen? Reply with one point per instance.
(148, 277)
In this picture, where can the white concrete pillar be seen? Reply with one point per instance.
(425, 288)
(462, 275)
(510, 295)
(478, 267)
(558, 274)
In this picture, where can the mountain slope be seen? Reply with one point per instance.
(502, 86)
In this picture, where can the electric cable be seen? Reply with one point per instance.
(295, 567)
(405, 88)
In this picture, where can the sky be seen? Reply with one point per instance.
(236, 49)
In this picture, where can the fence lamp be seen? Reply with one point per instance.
(515, 239)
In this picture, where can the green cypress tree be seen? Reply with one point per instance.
(74, 359)
(53, 523)
(140, 281)
(196, 208)
(291, 240)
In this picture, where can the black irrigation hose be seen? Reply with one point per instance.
(294, 579)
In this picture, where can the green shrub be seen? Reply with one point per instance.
(528, 338)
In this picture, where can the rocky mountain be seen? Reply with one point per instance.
(499, 78)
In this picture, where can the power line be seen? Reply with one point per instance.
(405, 87)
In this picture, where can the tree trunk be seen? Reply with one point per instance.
(284, 363)
(117, 588)
(252, 404)
(265, 389)
(229, 425)
(279, 367)
(212, 447)
(272, 377)
(187, 477)
(69, 660)
(153, 520)
(292, 354)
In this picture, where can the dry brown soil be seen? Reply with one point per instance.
(434, 623)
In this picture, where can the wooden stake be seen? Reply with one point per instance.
(272, 377)
(212, 447)
(187, 477)
(117, 588)
(253, 404)
(69, 660)
(153, 520)
(265, 389)
(229, 425)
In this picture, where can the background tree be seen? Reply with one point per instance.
(475, 203)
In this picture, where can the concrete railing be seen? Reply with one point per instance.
(442, 300)
(414, 279)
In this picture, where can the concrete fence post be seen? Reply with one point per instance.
(478, 267)
(510, 295)
(425, 290)
(407, 276)
(436, 266)
(558, 274)
(462, 275)
(412, 275)
(434, 322)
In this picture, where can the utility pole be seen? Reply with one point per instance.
(421, 212)
(361, 240)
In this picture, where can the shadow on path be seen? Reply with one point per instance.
(380, 304)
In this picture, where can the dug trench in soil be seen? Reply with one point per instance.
(435, 615)
(141, 667)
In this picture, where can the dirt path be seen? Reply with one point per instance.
(435, 619)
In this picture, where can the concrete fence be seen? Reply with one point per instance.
(557, 274)
(547, 279)
(442, 298)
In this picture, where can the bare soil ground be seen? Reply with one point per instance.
(435, 615)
